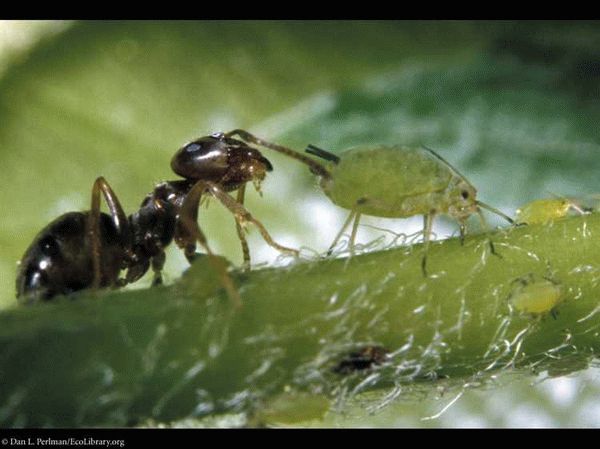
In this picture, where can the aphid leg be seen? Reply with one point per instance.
(242, 215)
(462, 226)
(240, 231)
(158, 262)
(187, 233)
(93, 225)
(486, 228)
(339, 234)
(427, 227)
(579, 209)
(353, 234)
(314, 166)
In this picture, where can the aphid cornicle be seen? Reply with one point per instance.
(89, 249)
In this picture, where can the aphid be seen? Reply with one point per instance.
(547, 210)
(82, 250)
(535, 296)
(424, 184)
(361, 360)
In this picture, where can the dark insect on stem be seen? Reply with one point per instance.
(361, 360)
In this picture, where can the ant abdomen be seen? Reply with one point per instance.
(59, 260)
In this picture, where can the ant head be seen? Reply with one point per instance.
(204, 158)
(220, 159)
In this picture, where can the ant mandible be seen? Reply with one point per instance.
(80, 250)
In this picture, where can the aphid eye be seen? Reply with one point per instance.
(464, 194)
(49, 246)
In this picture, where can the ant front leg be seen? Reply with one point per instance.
(242, 215)
(119, 220)
(240, 230)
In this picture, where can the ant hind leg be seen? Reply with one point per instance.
(119, 220)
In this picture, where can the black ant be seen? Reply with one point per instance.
(80, 250)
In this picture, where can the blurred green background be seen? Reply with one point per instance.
(513, 105)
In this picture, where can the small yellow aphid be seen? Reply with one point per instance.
(535, 296)
(290, 408)
(547, 210)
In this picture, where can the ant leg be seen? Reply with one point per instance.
(158, 262)
(314, 166)
(353, 234)
(187, 233)
(240, 230)
(242, 215)
(427, 226)
(339, 235)
(93, 225)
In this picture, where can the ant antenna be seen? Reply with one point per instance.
(311, 149)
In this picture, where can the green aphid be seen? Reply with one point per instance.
(423, 183)
(535, 296)
(291, 408)
(547, 210)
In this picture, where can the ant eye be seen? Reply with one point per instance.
(192, 147)
(464, 194)
(49, 246)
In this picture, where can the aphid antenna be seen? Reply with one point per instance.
(495, 211)
(319, 152)
(448, 164)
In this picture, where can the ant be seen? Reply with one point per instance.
(81, 250)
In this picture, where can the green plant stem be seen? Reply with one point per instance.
(117, 358)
